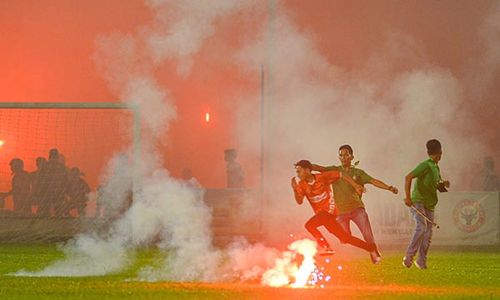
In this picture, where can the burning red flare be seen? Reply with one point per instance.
(289, 272)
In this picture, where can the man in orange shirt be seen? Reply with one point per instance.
(316, 188)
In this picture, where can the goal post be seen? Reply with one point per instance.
(20, 122)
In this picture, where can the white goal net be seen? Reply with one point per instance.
(51, 159)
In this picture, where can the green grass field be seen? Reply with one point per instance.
(451, 275)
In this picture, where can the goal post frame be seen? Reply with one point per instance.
(136, 143)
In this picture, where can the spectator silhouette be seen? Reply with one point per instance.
(234, 171)
(21, 187)
(489, 178)
(37, 178)
(77, 191)
(56, 176)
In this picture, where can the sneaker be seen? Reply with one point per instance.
(406, 263)
(375, 256)
(421, 266)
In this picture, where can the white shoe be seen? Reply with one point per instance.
(376, 257)
(406, 263)
(420, 266)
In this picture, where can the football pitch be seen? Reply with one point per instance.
(451, 275)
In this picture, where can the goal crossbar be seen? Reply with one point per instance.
(68, 105)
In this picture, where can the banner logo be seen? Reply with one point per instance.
(468, 215)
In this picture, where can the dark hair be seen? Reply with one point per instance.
(230, 151)
(230, 154)
(53, 153)
(433, 147)
(17, 162)
(304, 164)
(76, 172)
(347, 147)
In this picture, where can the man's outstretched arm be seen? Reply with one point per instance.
(359, 188)
(381, 185)
(6, 194)
(319, 168)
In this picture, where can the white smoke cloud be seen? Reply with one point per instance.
(385, 111)
(183, 26)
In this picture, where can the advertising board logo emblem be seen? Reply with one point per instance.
(468, 215)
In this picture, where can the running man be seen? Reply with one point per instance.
(349, 205)
(316, 188)
(424, 198)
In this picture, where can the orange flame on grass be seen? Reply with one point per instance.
(288, 272)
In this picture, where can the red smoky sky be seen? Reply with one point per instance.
(46, 49)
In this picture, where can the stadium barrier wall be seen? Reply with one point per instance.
(228, 221)
(465, 219)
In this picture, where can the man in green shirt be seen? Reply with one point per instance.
(348, 204)
(424, 198)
